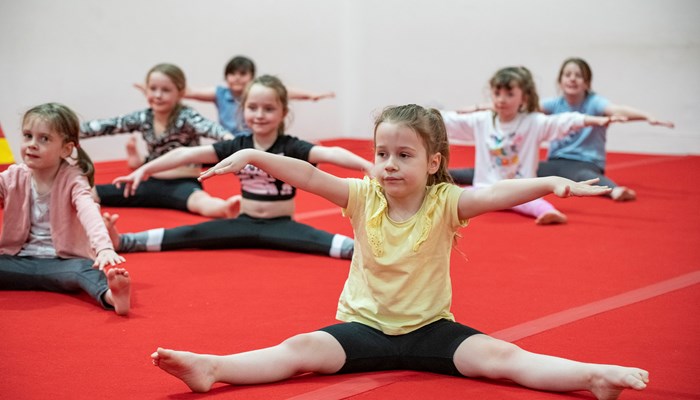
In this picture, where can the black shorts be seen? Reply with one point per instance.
(430, 348)
(152, 193)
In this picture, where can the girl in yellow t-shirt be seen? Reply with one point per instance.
(395, 303)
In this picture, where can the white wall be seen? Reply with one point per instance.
(86, 54)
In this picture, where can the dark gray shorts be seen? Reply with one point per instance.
(430, 348)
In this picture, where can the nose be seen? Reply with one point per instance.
(390, 164)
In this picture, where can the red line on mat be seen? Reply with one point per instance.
(643, 161)
(555, 320)
(357, 385)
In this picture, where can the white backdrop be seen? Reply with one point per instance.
(372, 53)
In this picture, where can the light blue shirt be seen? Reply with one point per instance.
(228, 111)
(588, 144)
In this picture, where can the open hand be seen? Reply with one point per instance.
(231, 164)
(568, 188)
(131, 182)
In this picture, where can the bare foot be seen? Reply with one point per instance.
(110, 221)
(133, 158)
(119, 293)
(609, 383)
(551, 217)
(233, 206)
(193, 369)
(623, 193)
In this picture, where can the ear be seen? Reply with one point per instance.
(434, 163)
(67, 149)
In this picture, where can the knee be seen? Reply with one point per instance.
(298, 343)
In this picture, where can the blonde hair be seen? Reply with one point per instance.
(65, 122)
(177, 77)
(509, 77)
(275, 84)
(429, 125)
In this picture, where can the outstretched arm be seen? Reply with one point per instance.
(633, 114)
(296, 94)
(339, 156)
(590, 120)
(511, 192)
(295, 172)
(475, 108)
(175, 158)
(201, 94)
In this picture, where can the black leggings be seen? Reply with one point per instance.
(153, 193)
(246, 232)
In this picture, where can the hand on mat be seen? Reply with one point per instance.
(132, 181)
(568, 188)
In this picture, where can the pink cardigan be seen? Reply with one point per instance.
(77, 228)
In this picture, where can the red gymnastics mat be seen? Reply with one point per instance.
(617, 284)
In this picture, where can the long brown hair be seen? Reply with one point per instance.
(275, 84)
(509, 77)
(429, 125)
(65, 122)
(175, 74)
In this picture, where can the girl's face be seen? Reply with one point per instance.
(263, 111)
(401, 162)
(507, 102)
(161, 93)
(42, 148)
(237, 82)
(572, 82)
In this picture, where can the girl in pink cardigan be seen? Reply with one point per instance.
(53, 237)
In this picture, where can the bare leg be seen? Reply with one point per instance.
(119, 293)
(111, 224)
(551, 217)
(484, 356)
(200, 202)
(133, 157)
(623, 193)
(317, 352)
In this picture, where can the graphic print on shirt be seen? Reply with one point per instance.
(503, 149)
(259, 183)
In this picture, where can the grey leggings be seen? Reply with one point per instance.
(53, 275)
(574, 170)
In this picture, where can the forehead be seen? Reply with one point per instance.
(572, 67)
(390, 134)
(159, 78)
(262, 94)
(38, 124)
(511, 86)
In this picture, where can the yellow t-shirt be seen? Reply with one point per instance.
(399, 277)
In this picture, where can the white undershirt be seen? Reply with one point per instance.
(39, 243)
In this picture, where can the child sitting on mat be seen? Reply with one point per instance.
(581, 155)
(507, 140)
(53, 237)
(165, 126)
(396, 301)
(266, 204)
(238, 73)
